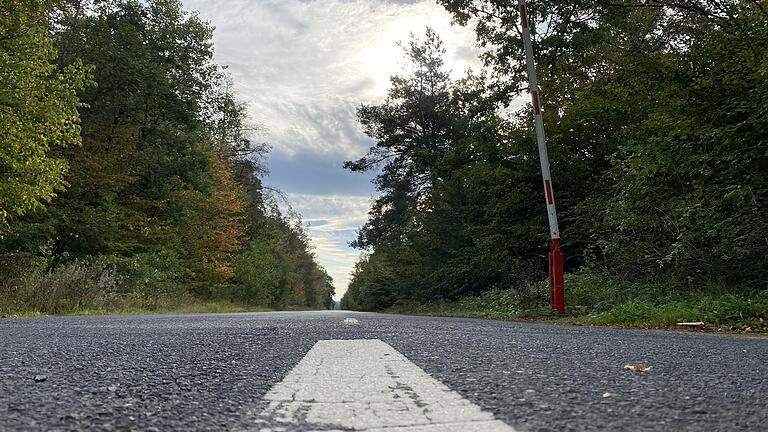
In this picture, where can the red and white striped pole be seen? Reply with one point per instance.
(556, 284)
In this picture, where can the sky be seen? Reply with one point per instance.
(303, 67)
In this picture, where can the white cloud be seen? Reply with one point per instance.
(331, 224)
(304, 66)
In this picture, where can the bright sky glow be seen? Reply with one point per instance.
(303, 66)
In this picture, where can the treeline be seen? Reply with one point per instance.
(128, 176)
(657, 122)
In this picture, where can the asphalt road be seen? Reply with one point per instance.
(211, 372)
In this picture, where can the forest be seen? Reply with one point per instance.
(131, 178)
(656, 114)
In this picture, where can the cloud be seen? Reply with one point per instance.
(304, 66)
(335, 220)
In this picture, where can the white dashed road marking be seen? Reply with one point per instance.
(351, 321)
(366, 385)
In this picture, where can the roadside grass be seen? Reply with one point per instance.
(715, 311)
(496, 304)
(600, 299)
(104, 286)
(189, 308)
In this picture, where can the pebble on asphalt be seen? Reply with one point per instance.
(41, 378)
(637, 367)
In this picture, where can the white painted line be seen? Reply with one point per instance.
(351, 321)
(366, 385)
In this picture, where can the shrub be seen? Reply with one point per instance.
(145, 281)
(72, 286)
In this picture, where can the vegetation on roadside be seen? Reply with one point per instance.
(130, 175)
(131, 179)
(175, 307)
(657, 122)
(601, 299)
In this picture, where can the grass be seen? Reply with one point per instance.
(600, 299)
(188, 308)
(715, 310)
(96, 287)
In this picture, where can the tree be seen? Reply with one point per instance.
(654, 114)
(166, 188)
(153, 173)
(440, 228)
(411, 128)
(38, 109)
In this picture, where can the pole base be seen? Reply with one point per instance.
(556, 278)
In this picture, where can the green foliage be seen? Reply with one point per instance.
(606, 299)
(451, 183)
(38, 109)
(600, 298)
(144, 281)
(276, 266)
(258, 275)
(146, 173)
(656, 121)
(164, 195)
(689, 192)
(373, 287)
(100, 285)
(508, 304)
(69, 287)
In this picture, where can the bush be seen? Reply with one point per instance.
(607, 299)
(602, 298)
(146, 281)
(258, 275)
(69, 287)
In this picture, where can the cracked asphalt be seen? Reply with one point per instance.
(195, 372)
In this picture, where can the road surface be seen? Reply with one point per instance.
(341, 370)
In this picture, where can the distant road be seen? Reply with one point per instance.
(341, 370)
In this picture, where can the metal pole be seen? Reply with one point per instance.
(556, 284)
